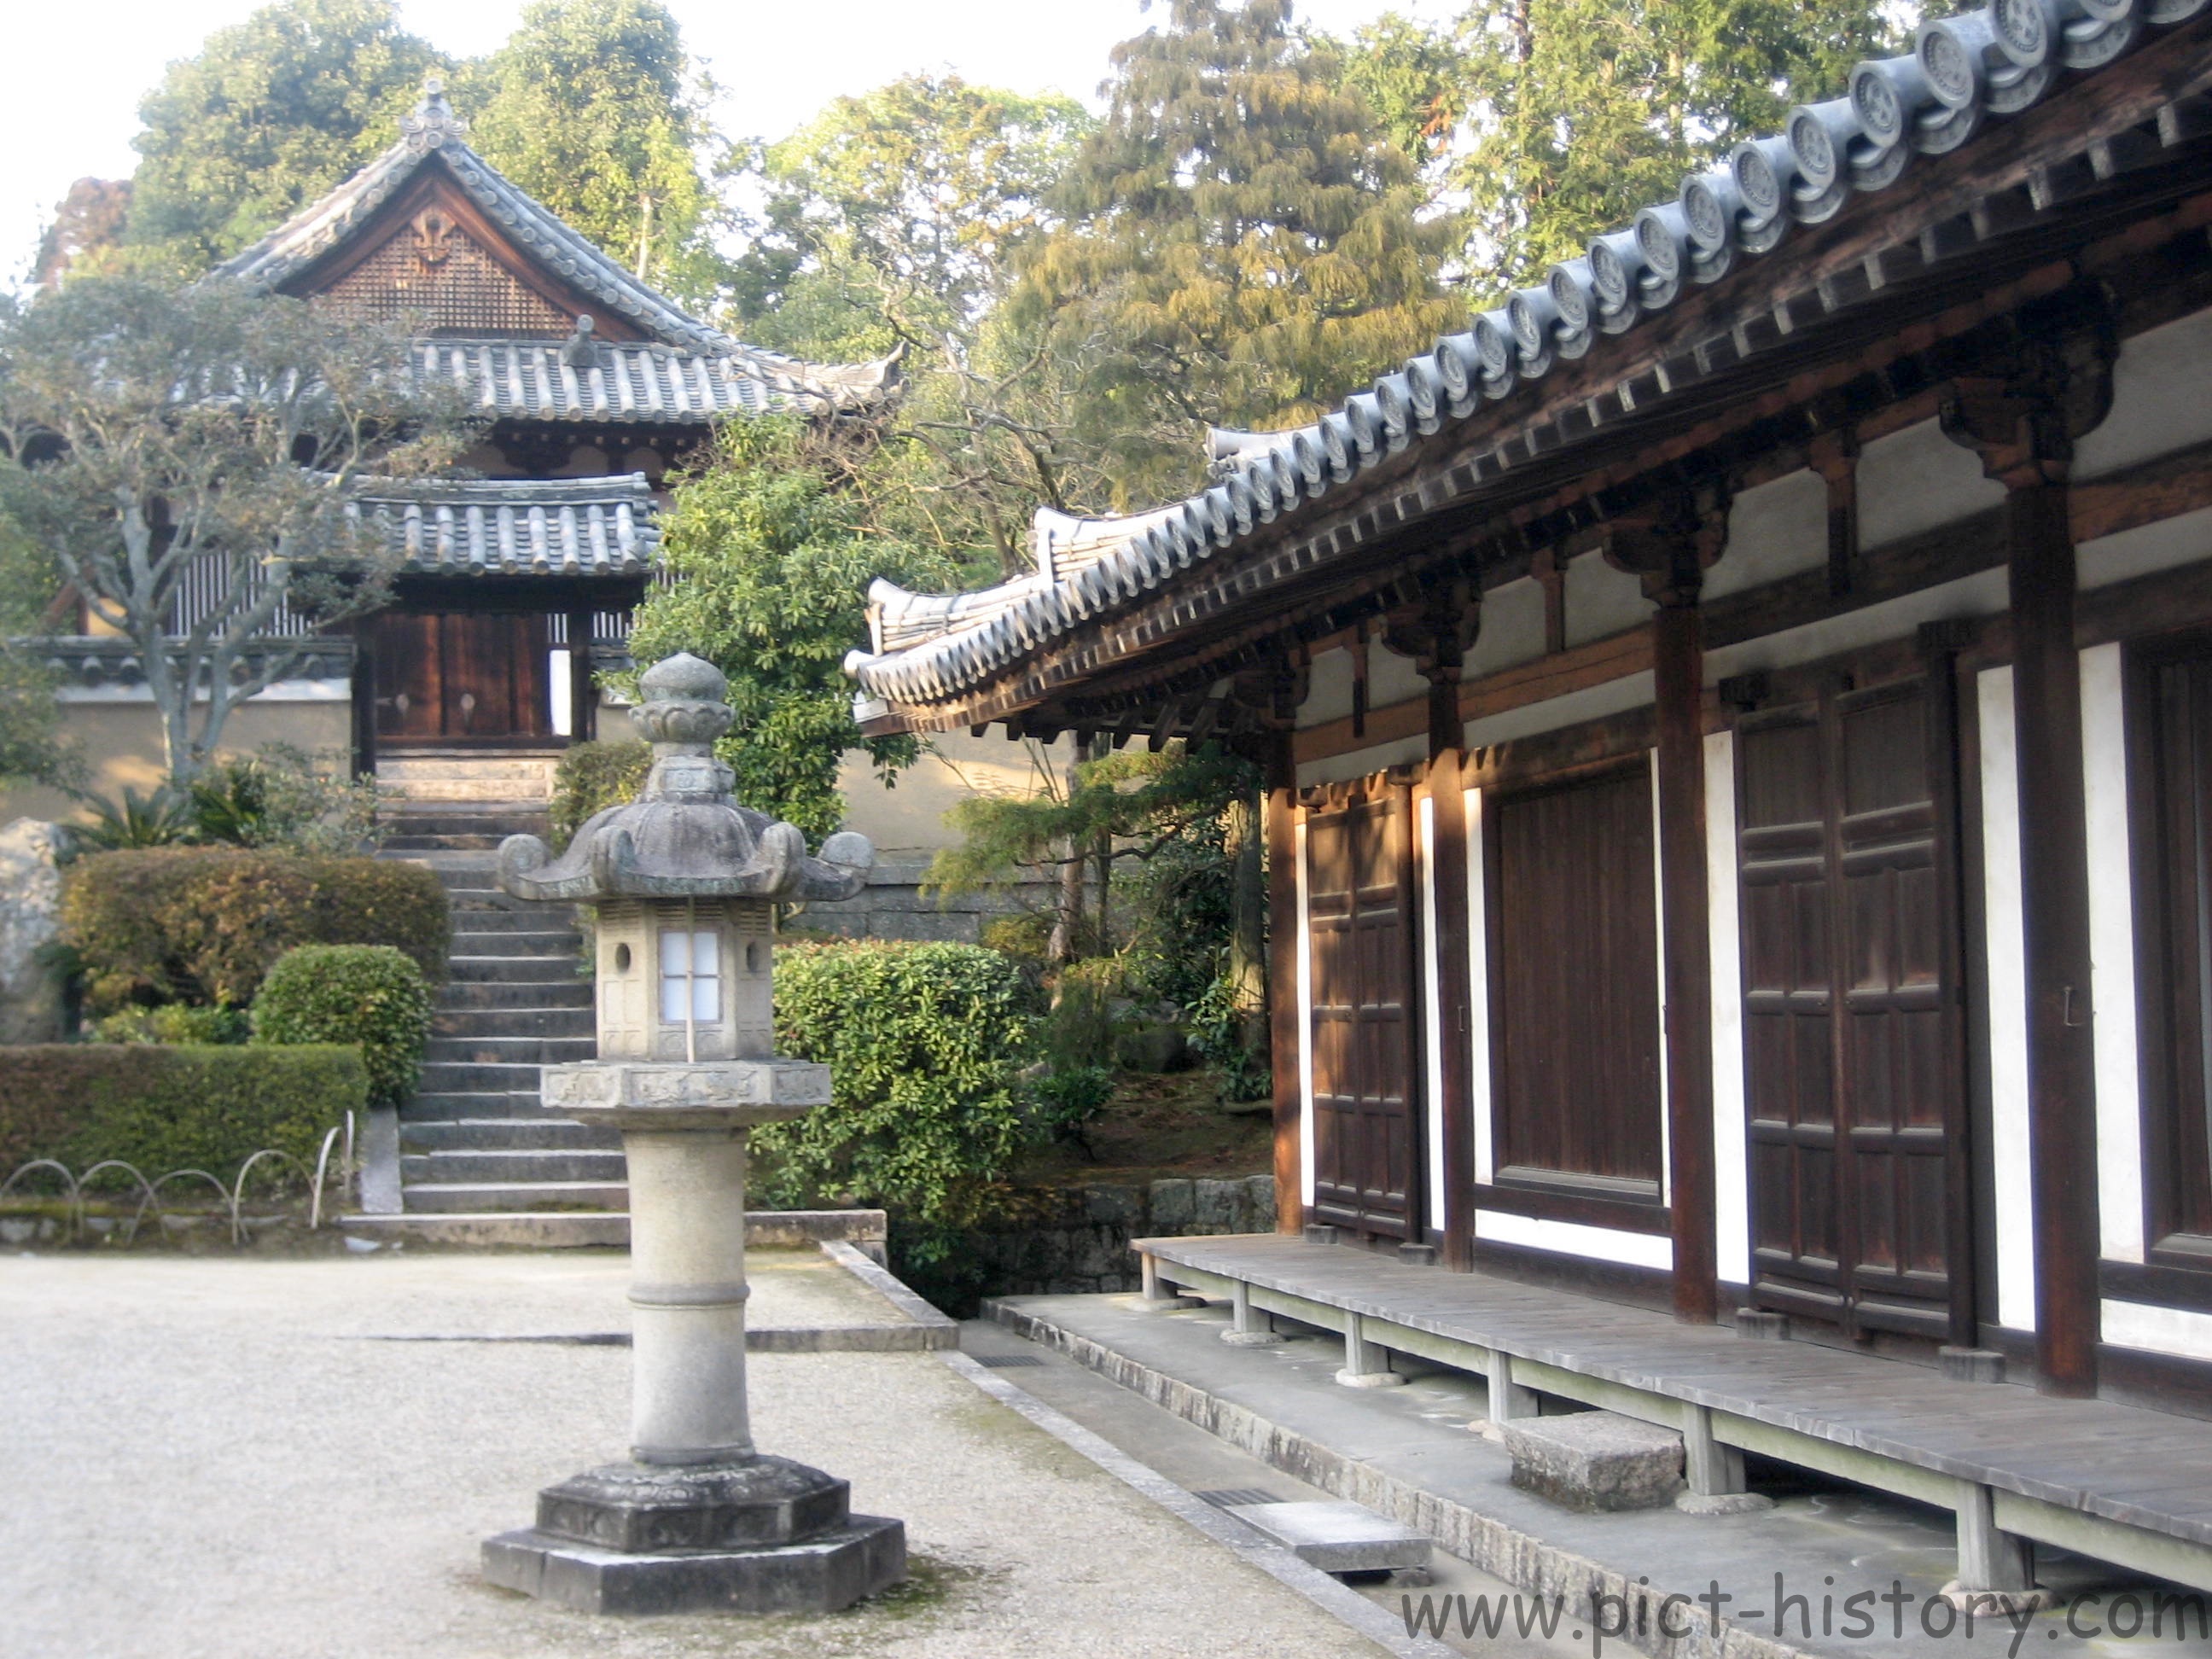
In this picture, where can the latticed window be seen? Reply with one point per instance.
(690, 976)
(433, 272)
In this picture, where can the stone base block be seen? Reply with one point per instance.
(634, 1509)
(1252, 1338)
(1340, 1537)
(819, 1575)
(1722, 1502)
(1970, 1364)
(1996, 1603)
(1758, 1325)
(1371, 1379)
(1595, 1461)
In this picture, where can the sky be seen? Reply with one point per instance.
(72, 76)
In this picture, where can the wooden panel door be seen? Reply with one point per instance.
(462, 677)
(1359, 900)
(1853, 1060)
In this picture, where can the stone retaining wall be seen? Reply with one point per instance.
(1076, 1239)
(893, 906)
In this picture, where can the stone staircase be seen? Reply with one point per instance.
(480, 1160)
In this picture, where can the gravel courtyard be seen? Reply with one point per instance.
(232, 1458)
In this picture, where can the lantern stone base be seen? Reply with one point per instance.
(822, 1574)
(761, 1536)
(737, 1093)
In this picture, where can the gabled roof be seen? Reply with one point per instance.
(1965, 73)
(432, 139)
(638, 383)
(517, 526)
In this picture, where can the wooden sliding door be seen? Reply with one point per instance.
(1854, 1043)
(1359, 899)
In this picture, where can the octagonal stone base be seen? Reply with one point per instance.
(637, 1508)
(822, 1574)
(674, 1092)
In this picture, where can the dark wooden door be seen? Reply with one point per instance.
(1853, 1040)
(1359, 906)
(461, 677)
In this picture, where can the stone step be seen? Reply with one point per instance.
(508, 1166)
(471, 1105)
(472, 1197)
(448, 840)
(550, 1230)
(528, 1131)
(470, 940)
(511, 1051)
(500, 791)
(442, 1078)
(517, 970)
(485, 920)
(424, 817)
(493, 994)
(478, 1023)
(398, 766)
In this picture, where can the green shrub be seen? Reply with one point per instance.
(284, 798)
(164, 1108)
(925, 1043)
(202, 925)
(591, 777)
(175, 1022)
(369, 995)
(1068, 1100)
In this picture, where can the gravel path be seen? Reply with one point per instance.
(217, 1457)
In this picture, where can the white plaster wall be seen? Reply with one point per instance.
(1432, 1019)
(1391, 678)
(1478, 971)
(2007, 993)
(1982, 594)
(1776, 530)
(1629, 691)
(2158, 397)
(1603, 601)
(2182, 539)
(1338, 768)
(1329, 689)
(1731, 1155)
(1574, 1238)
(908, 816)
(2178, 1330)
(1305, 1023)
(2111, 957)
(1916, 480)
(1512, 627)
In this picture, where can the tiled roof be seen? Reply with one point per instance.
(519, 527)
(1964, 71)
(637, 384)
(433, 135)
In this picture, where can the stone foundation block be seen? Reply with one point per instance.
(819, 1575)
(632, 1508)
(1595, 1461)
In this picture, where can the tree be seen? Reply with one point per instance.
(1242, 246)
(1584, 111)
(591, 106)
(32, 748)
(1413, 78)
(89, 222)
(272, 113)
(768, 574)
(153, 437)
(893, 220)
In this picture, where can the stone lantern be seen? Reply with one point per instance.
(686, 881)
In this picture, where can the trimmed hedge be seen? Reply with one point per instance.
(591, 777)
(925, 1043)
(204, 925)
(172, 1107)
(369, 995)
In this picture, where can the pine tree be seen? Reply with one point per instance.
(1242, 247)
(592, 107)
(1584, 111)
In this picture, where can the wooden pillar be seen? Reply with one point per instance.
(363, 630)
(583, 694)
(1670, 547)
(2023, 421)
(1284, 945)
(1678, 661)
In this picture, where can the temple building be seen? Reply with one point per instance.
(1739, 726)
(520, 571)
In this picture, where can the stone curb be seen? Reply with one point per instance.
(1246, 1543)
(1523, 1560)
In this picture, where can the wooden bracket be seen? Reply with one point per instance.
(1671, 540)
(2050, 388)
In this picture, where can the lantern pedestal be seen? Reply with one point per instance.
(697, 1521)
